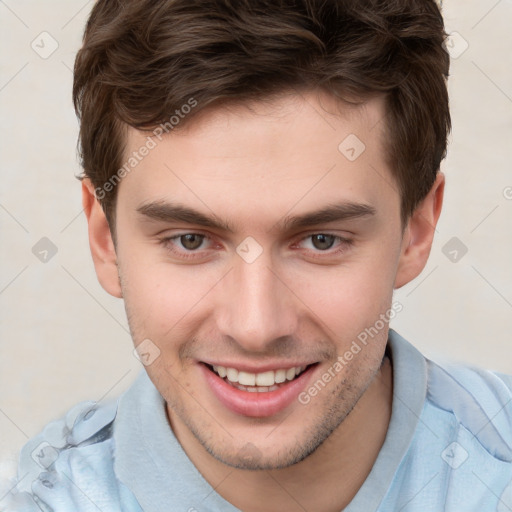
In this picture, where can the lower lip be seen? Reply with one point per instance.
(256, 405)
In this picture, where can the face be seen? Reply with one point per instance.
(249, 245)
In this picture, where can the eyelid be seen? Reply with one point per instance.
(343, 242)
(183, 255)
(171, 238)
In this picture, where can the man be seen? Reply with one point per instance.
(259, 177)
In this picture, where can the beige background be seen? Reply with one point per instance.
(63, 339)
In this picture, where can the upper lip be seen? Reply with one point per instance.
(260, 368)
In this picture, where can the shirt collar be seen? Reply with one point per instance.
(409, 392)
(150, 461)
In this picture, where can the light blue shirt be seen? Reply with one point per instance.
(448, 449)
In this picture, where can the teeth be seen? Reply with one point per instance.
(290, 374)
(280, 376)
(253, 389)
(232, 374)
(246, 379)
(263, 380)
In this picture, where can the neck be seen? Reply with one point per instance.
(328, 479)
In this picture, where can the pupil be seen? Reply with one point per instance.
(191, 241)
(324, 241)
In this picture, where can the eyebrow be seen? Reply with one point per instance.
(169, 212)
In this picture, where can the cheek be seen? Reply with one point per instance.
(162, 297)
(349, 297)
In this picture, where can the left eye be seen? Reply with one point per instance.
(322, 241)
(190, 241)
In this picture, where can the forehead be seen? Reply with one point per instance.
(266, 158)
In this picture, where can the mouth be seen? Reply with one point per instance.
(261, 394)
(262, 382)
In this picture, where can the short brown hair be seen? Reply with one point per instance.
(143, 60)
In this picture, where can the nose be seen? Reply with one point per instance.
(256, 308)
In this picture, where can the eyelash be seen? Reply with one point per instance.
(344, 244)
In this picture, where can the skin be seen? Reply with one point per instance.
(297, 302)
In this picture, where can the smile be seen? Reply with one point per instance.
(256, 394)
(257, 382)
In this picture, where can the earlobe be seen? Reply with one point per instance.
(419, 234)
(100, 241)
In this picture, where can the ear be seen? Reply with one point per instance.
(419, 234)
(100, 241)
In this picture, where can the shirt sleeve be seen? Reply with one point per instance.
(69, 467)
